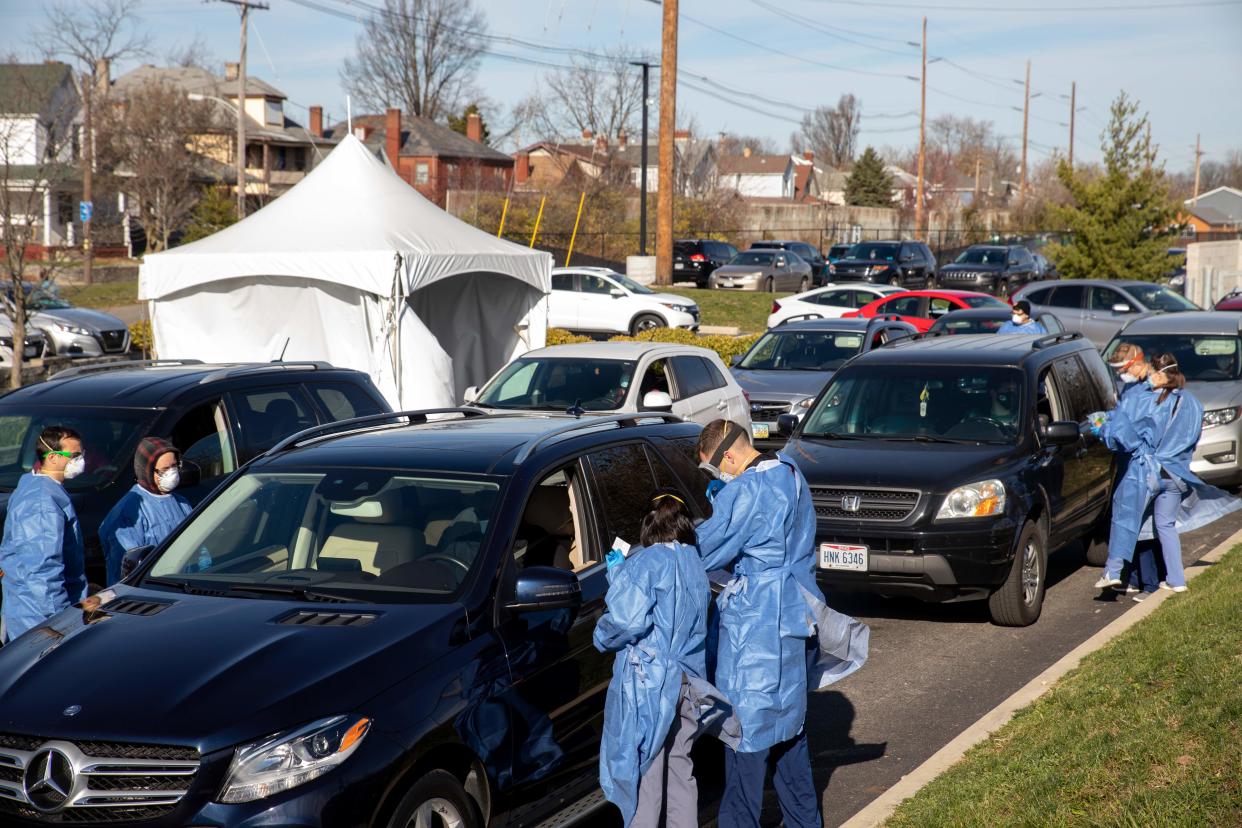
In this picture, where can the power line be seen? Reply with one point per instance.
(1040, 9)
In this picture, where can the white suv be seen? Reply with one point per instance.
(599, 300)
(617, 378)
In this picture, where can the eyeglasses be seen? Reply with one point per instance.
(71, 455)
(162, 469)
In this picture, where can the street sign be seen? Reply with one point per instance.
(86, 209)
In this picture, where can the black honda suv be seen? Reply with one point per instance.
(381, 622)
(697, 258)
(948, 467)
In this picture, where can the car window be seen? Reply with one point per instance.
(562, 281)
(902, 306)
(552, 530)
(1103, 379)
(1051, 324)
(204, 438)
(984, 301)
(1076, 389)
(1103, 299)
(1158, 297)
(624, 484)
(1067, 296)
(784, 350)
(939, 307)
(1039, 297)
(1048, 404)
(266, 416)
(758, 258)
(681, 454)
(665, 478)
(344, 401)
(1201, 357)
(837, 298)
(554, 384)
(691, 377)
(655, 378)
(714, 376)
(109, 437)
(595, 284)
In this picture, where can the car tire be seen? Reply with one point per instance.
(804, 285)
(1019, 601)
(1095, 544)
(646, 322)
(895, 281)
(437, 798)
(930, 283)
(1002, 289)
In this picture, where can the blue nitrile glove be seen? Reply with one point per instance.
(713, 488)
(614, 558)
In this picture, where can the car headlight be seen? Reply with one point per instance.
(1220, 416)
(289, 759)
(832, 268)
(73, 329)
(673, 306)
(981, 499)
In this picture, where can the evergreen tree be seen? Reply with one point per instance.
(457, 123)
(869, 185)
(215, 211)
(1121, 221)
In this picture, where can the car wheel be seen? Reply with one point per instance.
(930, 283)
(895, 281)
(1002, 290)
(804, 285)
(646, 322)
(1095, 544)
(437, 799)
(1020, 599)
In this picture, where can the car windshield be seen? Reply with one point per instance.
(555, 384)
(1201, 358)
(838, 250)
(363, 534)
(630, 284)
(983, 301)
(972, 325)
(932, 403)
(109, 437)
(802, 351)
(39, 302)
(982, 255)
(1157, 297)
(874, 252)
(753, 257)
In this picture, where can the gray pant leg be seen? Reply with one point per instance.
(669, 786)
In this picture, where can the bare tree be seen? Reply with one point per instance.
(732, 143)
(831, 133)
(193, 53)
(148, 139)
(37, 127)
(420, 55)
(602, 96)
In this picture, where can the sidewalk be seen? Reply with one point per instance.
(129, 314)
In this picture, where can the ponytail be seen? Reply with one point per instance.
(1166, 364)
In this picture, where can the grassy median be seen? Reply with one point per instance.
(1148, 731)
(746, 310)
(102, 294)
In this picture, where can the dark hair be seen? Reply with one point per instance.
(1167, 364)
(52, 437)
(716, 432)
(668, 521)
(1022, 305)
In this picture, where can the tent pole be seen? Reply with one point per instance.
(538, 219)
(504, 211)
(574, 237)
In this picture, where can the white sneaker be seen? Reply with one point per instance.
(1105, 582)
(1128, 589)
(1165, 585)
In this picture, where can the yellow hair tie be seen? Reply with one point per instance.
(668, 494)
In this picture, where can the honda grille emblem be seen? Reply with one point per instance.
(851, 503)
(49, 780)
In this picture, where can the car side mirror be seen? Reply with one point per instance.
(1062, 433)
(1122, 307)
(472, 394)
(191, 474)
(133, 558)
(785, 424)
(616, 293)
(735, 360)
(545, 588)
(780, 262)
(657, 401)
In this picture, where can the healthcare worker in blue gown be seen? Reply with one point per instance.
(1158, 496)
(148, 512)
(1021, 322)
(659, 699)
(42, 555)
(778, 639)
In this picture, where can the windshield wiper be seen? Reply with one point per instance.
(832, 435)
(304, 593)
(929, 438)
(183, 585)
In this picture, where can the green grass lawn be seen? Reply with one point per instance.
(1148, 731)
(102, 294)
(742, 309)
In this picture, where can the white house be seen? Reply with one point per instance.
(757, 176)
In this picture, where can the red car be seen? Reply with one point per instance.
(1230, 302)
(921, 308)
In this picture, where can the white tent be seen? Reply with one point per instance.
(354, 267)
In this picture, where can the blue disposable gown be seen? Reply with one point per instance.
(42, 554)
(656, 622)
(1153, 437)
(1032, 327)
(777, 635)
(139, 519)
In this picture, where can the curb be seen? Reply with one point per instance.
(882, 807)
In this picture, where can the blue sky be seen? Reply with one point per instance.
(1182, 61)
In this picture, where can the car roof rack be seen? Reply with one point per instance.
(120, 364)
(801, 317)
(584, 423)
(414, 417)
(1054, 339)
(259, 367)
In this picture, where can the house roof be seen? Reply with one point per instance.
(23, 84)
(197, 80)
(1230, 190)
(752, 164)
(1211, 216)
(422, 136)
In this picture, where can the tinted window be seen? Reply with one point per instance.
(625, 485)
(1067, 296)
(802, 350)
(713, 374)
(344, 401)
(204, 439)
(1157, 297)
(666, 479)
(595, 284)
(1103, 299)
(691, 375)
(108, 441)
(874, 252)
(681, 455)
(1201, 357)
(267, 416)
(562, 281)
(1103, 378)
(555, 384)
(759, 258)
(1077, 389)
(1039, 297)
(903, 306)
(984, 301)
(981, 255)
(838, 298)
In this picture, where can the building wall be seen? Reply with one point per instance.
(22, 140)
(766, 185)
(1212, 270)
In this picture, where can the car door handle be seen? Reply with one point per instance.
(722, 405)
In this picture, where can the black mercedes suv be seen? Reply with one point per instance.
(380, 622)
(947, 467)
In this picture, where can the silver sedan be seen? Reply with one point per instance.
(767, 270)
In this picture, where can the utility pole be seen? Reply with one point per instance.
(87, 208)
(642, 204)
(977, 161)
(1194, 201)
(245, 6)
(918, 205)
(1073, 112)
(1026, 115)
(668, 123)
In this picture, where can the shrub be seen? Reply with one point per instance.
(560, 336)
(727, 346)
(140, 336)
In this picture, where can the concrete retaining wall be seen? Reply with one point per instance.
(1212, 270)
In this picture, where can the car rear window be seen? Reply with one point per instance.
(983, 301)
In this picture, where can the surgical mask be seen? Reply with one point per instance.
(169, 480)
(75, 467)
(1128, 378)
(722, 476)
(1017, 320)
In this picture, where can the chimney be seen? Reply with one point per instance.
(746, 152)
(316, 121)
(809, 156)
(392, 137)
(231, 71)
(681, 135)
(522, 172)
(622, 141)
(587, 135)
(474, 127)
(103, 76)
(601, 143)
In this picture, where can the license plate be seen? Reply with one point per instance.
(843, 556)
(679, 266)
(760, 431)
(725, 284)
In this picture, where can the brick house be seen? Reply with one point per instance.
(570, 164)
(431, 157)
